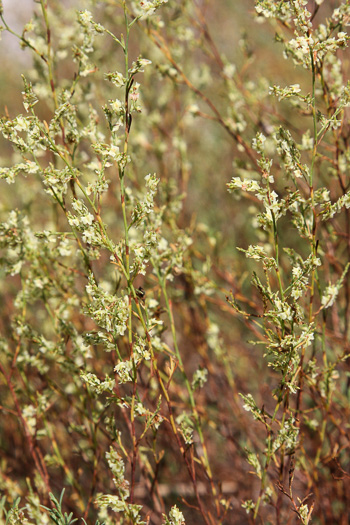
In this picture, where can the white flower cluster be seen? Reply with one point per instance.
(287, 92)
(25, 134)
(146, 8)
(109, 312)
(117, 467)
(125, 369)
(175, 517)
(284, 353)
(341, 14)
(329, 210)
(29, 415)
(113, 502)
(186, 426)
(259, 254)
(10, 174)
(272, 9)
(88, 30)
(85, 18)
(17, 242)
(56, 180)
(258, 142)
(287, 436)
(245, 185)
(253, 460)
(214, 341)
(119, 503)
(303, 510)
(145, 206)
(96, 384)
(290, 154)
(142, 251)
(250, 406)
(138, 66)
(85, 223)
(282, 311)
(331, 292)
(330, 295)
(200, 377)
(299, 283)
(110, 151)
(248, 505)
(116, 78)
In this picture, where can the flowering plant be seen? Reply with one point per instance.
(145, 360)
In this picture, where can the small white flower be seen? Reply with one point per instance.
(145, 62)
(22, 124)
(85, 17)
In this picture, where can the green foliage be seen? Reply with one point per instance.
(145, 361)
(56, 515)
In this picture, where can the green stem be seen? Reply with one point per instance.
(312, 169)
(22, 39)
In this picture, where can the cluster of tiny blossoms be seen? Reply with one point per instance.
(113, 301)
(289, 318)
(82, 153)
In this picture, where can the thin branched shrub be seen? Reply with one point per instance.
(172, 351)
